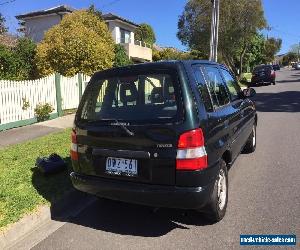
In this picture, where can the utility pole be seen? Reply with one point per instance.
(299, 52)
(214, 30)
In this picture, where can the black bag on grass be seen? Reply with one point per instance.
(50, 165)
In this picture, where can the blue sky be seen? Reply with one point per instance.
(282, 16)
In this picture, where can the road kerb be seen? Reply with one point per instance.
(24, 230)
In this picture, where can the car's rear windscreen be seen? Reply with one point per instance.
(262, 68)
(148, 97)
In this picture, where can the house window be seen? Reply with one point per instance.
(125, 36)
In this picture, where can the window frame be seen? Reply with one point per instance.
(125, 31)
(216, 66)
(233, 77)
(173, 74)
(199, 67)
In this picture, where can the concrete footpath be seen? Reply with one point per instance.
(26, 133)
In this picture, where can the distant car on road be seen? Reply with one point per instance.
(294, 64)
(263, 74)
(297, 66)
(276, 67)
(138, 136)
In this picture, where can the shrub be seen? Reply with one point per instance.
(145, 33)
(171, 54)
(80, 43)
(43, 111)
(26, 104)
(121, 58)
(17, 63)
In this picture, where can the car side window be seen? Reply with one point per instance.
(216, 86)
(232, 85)
(202, 88)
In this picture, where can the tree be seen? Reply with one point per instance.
(7, 63)
(121, 58)
(80, 43)
(272, 47)
(254, 55)
(289, 57)
(17, 63)
(145, 33)
(171, 54)
(3, 28)
(92, 9)
(239, 22)
(295, 48)
(25, 51)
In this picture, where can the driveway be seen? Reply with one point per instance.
(30, 132)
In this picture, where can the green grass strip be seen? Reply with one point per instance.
(22, 187)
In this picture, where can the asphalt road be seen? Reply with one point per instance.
(264, 193)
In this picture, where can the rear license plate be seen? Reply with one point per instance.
(121, 166)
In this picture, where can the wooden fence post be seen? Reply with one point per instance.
(80, 85)
(58, 94)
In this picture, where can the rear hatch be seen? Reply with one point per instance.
(126, 126)
(262, 71)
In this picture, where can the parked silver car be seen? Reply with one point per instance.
(297, 66)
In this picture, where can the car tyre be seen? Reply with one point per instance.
(250, 145)
(216, 208)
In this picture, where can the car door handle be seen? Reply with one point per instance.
(235, 129)
(226, 124)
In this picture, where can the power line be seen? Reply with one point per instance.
(109, 4)
(284, 32)
(11, 1)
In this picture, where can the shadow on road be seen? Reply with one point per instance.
(288, 101)
(289, 80)
(296, 75)
(129, 219)
(106, 215)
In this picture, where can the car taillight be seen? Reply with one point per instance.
(191, 153)
(74, 147)
(273, 73)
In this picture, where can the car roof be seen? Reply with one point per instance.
(262, 66)
(164, 64)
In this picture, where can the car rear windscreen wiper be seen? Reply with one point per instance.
(123, 127)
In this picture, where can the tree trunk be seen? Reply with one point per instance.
(241, 61)
(230, 64)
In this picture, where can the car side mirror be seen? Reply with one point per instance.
(249, 92)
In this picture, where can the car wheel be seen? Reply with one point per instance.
(250, 145)
(216, 208)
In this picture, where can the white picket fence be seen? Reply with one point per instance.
(14, 94)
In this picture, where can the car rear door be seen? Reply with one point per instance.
(133, 139)
(220, 115)
(243, 112)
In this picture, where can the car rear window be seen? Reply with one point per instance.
(133, 97)
(262, 68)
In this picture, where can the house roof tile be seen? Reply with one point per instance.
(57, 9)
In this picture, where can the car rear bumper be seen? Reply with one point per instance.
(262, 79)
(144, 194)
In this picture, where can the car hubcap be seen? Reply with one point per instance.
(254, 137)
(222, 189)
